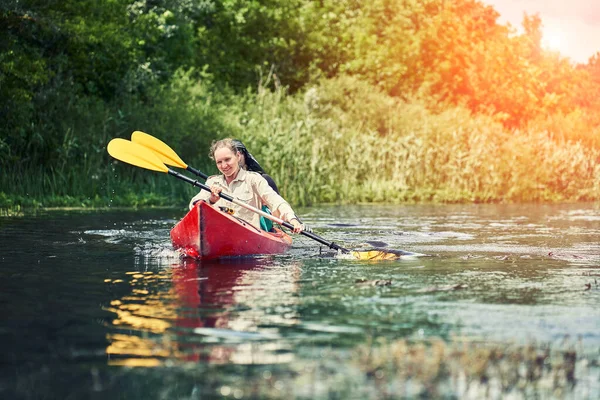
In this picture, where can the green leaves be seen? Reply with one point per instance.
(396, 83)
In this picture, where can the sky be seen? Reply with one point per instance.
(571, 27)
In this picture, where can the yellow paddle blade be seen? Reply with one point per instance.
(135, 154)
(166, 154)
(375, 255)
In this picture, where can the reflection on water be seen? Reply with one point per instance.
(507, 304)
(194, 311)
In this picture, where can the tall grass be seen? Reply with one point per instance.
(339, 141)
(345, 142)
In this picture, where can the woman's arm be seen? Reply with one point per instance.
(203, 194)
(271, 182)
(279, 207)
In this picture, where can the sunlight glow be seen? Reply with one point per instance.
(554, 39)
(569, 27)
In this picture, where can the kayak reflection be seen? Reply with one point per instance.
(227, 311)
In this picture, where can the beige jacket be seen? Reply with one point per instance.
(252, 189)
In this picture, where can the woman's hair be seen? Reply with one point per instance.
(236, 146)
(227, 143)
(251, 163)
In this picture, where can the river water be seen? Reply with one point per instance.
(505, 304)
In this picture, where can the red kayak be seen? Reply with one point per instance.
(208, 233)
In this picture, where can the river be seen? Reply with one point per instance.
(505, 303)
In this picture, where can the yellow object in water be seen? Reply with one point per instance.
(375, 255)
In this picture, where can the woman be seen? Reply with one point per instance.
(249, 163)
(247, 186)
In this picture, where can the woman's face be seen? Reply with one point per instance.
(227, 161)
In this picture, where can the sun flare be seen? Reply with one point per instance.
(554, 39)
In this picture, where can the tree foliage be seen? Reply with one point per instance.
(85, 57)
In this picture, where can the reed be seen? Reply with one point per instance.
(348, 143)
(340, 141)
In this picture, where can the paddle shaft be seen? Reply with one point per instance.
(196, 172)
(331, 245)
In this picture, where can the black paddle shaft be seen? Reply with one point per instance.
(196, 172)
(331, 245)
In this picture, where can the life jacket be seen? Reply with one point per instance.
(265, 223)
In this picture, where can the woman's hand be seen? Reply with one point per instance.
(298, 227)
(214, 194)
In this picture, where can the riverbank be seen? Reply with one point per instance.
(341, 141)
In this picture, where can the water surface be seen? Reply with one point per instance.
(98, 305)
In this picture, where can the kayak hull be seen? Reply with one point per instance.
(207, 233)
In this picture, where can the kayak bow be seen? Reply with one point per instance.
(208, 233)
